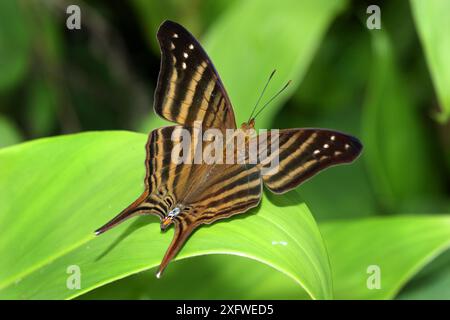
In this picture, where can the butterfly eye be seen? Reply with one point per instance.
(174, 212)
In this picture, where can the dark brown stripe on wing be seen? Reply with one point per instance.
(200, 99)
(231, 198)
(304, 152)
(188, 83)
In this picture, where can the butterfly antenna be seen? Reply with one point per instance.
(261, 95)
(273, 98)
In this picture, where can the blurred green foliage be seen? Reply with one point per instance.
(388, 87)
(431, 25)
(15, 44)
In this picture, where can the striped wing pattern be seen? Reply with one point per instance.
(208, 188)
(236, 192)
(189, 88)
(190, 93)
(303, 153)
(206, 193)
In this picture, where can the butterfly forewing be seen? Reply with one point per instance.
(301, 153)
(189, 88)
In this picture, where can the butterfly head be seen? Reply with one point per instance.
(248, 125)
(167, 220)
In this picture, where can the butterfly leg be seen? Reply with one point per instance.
(183, 230)
(136, 208)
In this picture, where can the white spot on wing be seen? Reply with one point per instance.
(175, 35)
(347, 146)
(326, 145)
(316, 152)
(332, 138)
(191, 46)
(185, 55)
(183, 65)
(172, 46)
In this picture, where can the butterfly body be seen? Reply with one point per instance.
(194, 191)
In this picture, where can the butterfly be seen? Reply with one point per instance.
(190, 93)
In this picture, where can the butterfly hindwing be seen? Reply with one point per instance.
(212, 191)
(207, 192)
(229, 190)
(189, 89)
(303, 153)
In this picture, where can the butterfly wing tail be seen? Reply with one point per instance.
(183, 230)
(132, 210)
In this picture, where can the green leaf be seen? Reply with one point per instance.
(400, 246)
(228, 277)
(57, 191)
(431, 283)
(338, 73)
(282, 35)
(394, 133)
(432, 26)
(14, 43)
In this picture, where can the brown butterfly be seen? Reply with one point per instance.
(189, 92)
